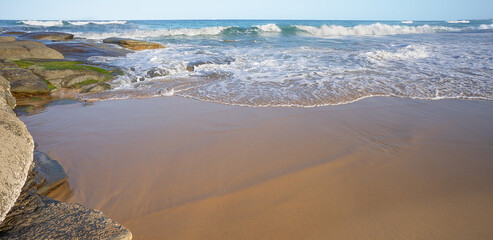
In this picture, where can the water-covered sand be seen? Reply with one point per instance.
(380, 168)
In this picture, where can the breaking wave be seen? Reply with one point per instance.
(368, 30)
(458, 21)
(42, 23)
(140, 34)
(79, 23)
(269, 28)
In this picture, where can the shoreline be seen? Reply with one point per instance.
(178, 162)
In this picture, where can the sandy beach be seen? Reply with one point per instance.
(380, 168)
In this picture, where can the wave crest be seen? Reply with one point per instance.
(42, 23)
(268, 28)
(141, 34)
(365, 30)
(79, 23)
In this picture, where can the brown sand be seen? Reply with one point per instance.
(381, 168)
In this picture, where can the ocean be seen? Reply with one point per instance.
(292, 63)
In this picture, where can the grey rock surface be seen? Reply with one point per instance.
(48, 173)
(53, 36)
(27, 49)
(38, 217)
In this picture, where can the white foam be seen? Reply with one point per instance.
(268, 28)
(141, 34)
(407, 22)
(362, 30)
(408, 52)
(458, 21)
(42, 23)
(78, 23)
(485, 27)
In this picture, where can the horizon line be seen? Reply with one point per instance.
(249, 19)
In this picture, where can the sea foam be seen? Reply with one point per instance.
(362, 30)
(268, 28)
(42, 23)
(79, 23)
(458, 21)
(141, 34)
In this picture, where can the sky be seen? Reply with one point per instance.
(245, 9)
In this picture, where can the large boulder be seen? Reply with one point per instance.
(27, 49)
(22, 80)
(53, 36)
(16, 153)
(133, 44)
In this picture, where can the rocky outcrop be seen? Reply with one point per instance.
(16, 152)
(70, 78)
(38, 217)
(53, 36)
(7, 39)
(22, 80)
(133, 44)
(27, 49)
(97, 88)
(81, 51)
(24, 213)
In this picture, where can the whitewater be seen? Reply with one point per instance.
(292, 63)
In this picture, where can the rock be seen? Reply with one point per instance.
(81, 51)
(5, 93)
(53, 36)
(97, 88)
(226, 60)
(16, 154)
(133, 44)
(38, 217)
(48, 174)
(12, 33)
(7, 39)
(68, 77)
(27, 49)
(156, 72)
(22, 80)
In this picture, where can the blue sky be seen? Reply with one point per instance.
(246, 9)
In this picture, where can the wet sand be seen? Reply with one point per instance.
(380, 168)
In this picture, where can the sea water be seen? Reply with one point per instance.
(298, 63)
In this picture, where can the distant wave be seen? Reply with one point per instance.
(369, 30)
(407, 22)
(268, 28)
(61, 23)
(96, 22)
(458, 21)
(42, 23)
(485, 27)
(140, 34)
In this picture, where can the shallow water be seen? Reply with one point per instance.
(294, 63)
